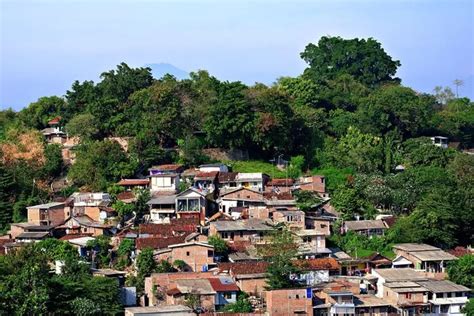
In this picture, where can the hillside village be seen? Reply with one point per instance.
(337, 192)
(207, 228)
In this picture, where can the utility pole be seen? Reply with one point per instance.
(458, 83)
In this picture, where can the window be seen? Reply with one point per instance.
(241, 234)
(228, 295)
(210, 253)
(232, 236)
(444, 308)
(187, 253)
(408, 295)
(297, 296)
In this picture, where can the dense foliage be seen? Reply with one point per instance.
(347, 117)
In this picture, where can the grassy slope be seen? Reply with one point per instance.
(256, 166)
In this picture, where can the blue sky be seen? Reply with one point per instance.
(46, 45)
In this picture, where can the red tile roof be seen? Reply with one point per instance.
(126, 195)
(279, 196)
(218, 286)
(182, 225)
(318, 264)
(227, 176)
(168, 167)
(460, 251)
(158, 242)
(249, 267)
(211, 175)
(54, 120)
(240, 245)
(134, 182)
(74, 236)
(281, 182)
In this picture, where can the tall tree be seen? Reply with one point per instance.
(364, 59)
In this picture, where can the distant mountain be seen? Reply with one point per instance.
(161, 69)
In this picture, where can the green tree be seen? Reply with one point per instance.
(38, 113)
(364, 59)
(146, 264)
(230, 121)
(220, 246)
(280, 251)
(462, 271)
(469, 308)
(54, 161)
(306, 200)
(83, 126)
(100, 246)
(6, 187)
(242, 305)
(99, 163)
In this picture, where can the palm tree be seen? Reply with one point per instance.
(458, 83)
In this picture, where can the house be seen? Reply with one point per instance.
(409, 298)
(158, 242)
(289, 302)
(316, 183)
(94, 205)
(161, 283)
(293, 219)
(49, 214)
(280, 185)
(282, 199)
(255, 181)
(440, 141)
(18, 229)
(54, 133)
(85, 224)
(425, 257)
(370, 305)
(445, 296)
(192, 203)
(201, 288)
(165, 178)
(226, 180)
(214, 167)
(197, 255)
(239, 197)
(32, 236)
(176, 227)
(130, 184)
(206, 182)
(126, 197)
(320, 224)
(79, 241)
(385, 276)
(226, 291)
(164, 310)
(368, 228)
(250, 229)
(162, 208)
(316, 271)
(377, 261)
(349, 266)
(311, 243)
(250, 276)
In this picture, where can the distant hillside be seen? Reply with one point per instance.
(159, 70)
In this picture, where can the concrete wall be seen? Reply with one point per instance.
(195, 256)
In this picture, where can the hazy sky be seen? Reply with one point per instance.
(46, 45)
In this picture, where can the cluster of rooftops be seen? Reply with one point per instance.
(187, 207)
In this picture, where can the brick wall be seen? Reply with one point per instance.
(288, 302)
(195, 256)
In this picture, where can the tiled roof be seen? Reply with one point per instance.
(240, 268)
(460, 251)
(223, 284)
(182, 225)
(281, 182)
(158, 242)
(227, 176)
(134, 182)
(74, 236)
(126, 195)
(211, 175)
(318, 264)
(168, 167)
(278, 196)
(240, 245)
(55, 120)
(366, 224)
